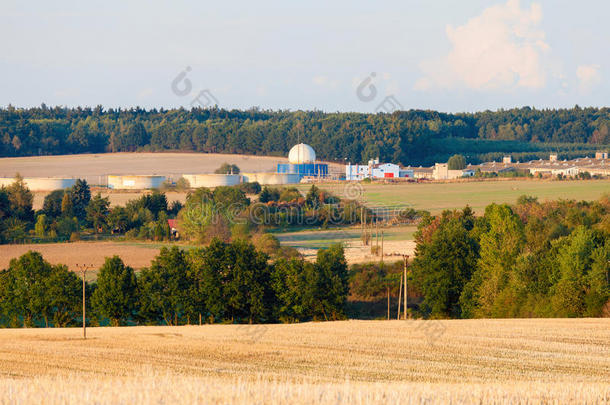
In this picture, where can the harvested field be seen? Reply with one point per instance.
(134, 254)
(94, 167)
(115, 197)
(458, 361)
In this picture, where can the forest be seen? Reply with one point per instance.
(414, 137)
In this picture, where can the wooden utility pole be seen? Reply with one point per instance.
(399, 296)
(376, 237)
(382, 246)
(388, 287)
(83, 269)
(406, 258)
(199, 319)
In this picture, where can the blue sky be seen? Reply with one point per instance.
(443, 54)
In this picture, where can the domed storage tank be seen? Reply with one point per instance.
(271, 178)
(134, 182)
(41, 183)
(301, 153)
(212, 180)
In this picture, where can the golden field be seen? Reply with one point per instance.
(134, 254)
(459, 361)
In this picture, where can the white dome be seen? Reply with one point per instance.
(301, 153)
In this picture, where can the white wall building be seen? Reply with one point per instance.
(375, 170)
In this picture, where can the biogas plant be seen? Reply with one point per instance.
(301, 165)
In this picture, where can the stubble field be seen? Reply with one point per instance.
(349, 362)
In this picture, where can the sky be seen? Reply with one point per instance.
(352, 55)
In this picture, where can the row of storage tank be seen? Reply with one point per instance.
(138, 182)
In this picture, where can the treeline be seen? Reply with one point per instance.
(221, 283)
(225, 213)
(531, 259)
(68, 214)
(409, 137)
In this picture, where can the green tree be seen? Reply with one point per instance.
(27, 299)
(41, 226)
(456, 162)
(500, 245)
(52, 204)
(80, 195)
(115, 295)
(118, 219)
(330, 284)
(246, 289)
(67, 209)
(97, 212)
(64, 292)
(445, 263)
(289, 280)
(227, 168)
(20, 200)
(164, 287)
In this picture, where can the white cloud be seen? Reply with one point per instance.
(588, 76)
(501, 48)
(325, 81)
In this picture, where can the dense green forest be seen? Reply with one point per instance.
(412, 137)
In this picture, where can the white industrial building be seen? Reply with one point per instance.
(375, 170)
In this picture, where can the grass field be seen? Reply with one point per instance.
(349, 362)
(397, 241)
(436, 197)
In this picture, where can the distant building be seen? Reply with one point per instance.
(375, 170)
(507, 159)
(441, 172)
(601, 155)
(302, 161)
(553, 157)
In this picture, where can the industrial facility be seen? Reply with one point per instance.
(302, 161)
(134, 181)
(376, 170)
(212, 180)
(41, 183)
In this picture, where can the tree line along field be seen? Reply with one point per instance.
(345, 362)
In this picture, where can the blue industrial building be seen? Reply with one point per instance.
(304, 169)
(302, 161)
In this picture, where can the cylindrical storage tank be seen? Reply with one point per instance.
(271, 178)
(134, 182)
(212, 180)
(41, 183)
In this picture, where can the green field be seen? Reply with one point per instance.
(436, 197)
(318, 239)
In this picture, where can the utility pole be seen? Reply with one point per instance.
(388, 287)
(376, 237)
(399, 296)
(83, 269)
(382, 246)
(406, 258)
